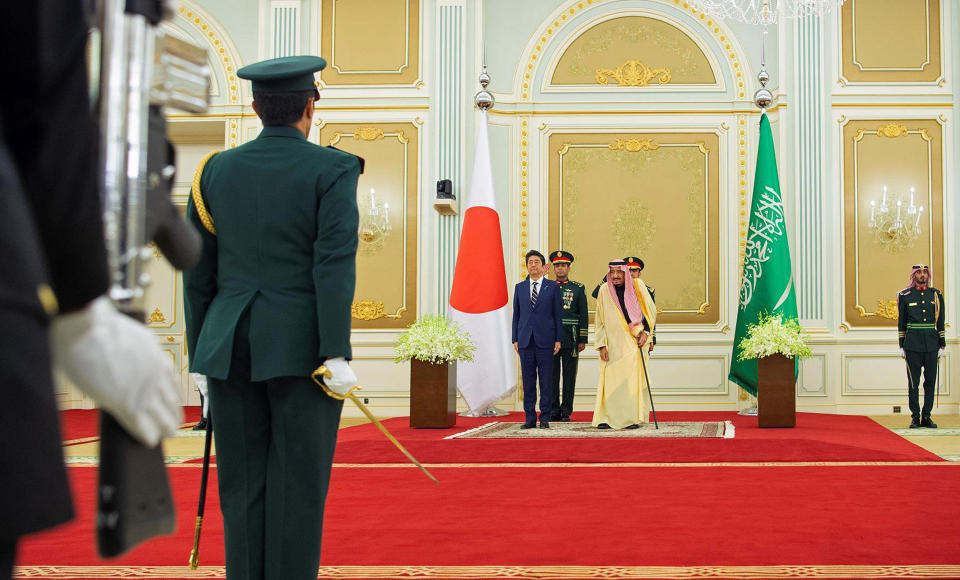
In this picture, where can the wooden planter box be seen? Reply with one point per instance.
(776, 391)
(433, 395)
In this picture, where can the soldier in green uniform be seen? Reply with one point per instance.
(573, 305)
(268, 303)
(920, 323)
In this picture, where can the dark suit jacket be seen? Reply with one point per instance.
(285, 214)
(539, 326)
(51, 234)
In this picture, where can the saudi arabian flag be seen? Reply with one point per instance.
(767, 282)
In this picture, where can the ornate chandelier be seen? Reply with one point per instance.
(374, 224)
(764, 12)
(898, 230)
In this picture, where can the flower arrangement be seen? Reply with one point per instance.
(772, 335)
(435, 339)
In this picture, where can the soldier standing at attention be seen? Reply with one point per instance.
(268, 303)
(920, 323)
(575, 319)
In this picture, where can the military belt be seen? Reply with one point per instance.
(921, 326)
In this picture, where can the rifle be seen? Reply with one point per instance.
(138, 69)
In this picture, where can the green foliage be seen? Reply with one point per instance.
(435, 339)
(771, 335)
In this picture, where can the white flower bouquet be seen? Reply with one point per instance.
(772, 335)
(434, 339)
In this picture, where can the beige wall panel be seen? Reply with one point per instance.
(371, 42)
(386, 294)
(891, 41)
(877, 374)
(899, 154)
(662, 53)
(651, 195)
(812, 379)
(689, 374)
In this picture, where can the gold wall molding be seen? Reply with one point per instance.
(367, 310)
(891, 41)
(892, 130)
(157, 317)
(885, 309)
(582, 164)
(898, 154)
(631, 145)
(524, 194)
(368, 133)
(388, 271)
(633, 73)
(218, 53)
(363, 50)
(545, 35)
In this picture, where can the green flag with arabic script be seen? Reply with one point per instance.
(767, 282)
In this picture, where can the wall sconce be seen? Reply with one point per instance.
(374, 223)
(895, 230)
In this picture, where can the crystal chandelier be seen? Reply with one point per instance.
(764, 12)
(898, 230)
(374, 223)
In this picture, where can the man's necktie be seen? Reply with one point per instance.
(533, 297)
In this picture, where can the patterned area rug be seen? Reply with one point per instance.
(575, 430)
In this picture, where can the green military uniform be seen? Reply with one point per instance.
(576, 320)
(920, 323)
(268, 303)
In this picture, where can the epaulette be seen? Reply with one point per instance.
(577, 283)
(905, 291)
(362, 161)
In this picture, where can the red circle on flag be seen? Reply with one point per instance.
(479, 280)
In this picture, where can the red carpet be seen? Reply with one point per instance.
(649, 516)
(815, 438)
(502, 520)
(77, 425)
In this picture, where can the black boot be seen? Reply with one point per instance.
(926, 422)
(914, 423)
(202, 425)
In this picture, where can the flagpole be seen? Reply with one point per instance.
(484, 101)
(763, 98)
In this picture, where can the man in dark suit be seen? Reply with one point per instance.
(267, 304)
(537, 327)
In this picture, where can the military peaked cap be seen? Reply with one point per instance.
(288, 74)
(633, 262)
(561, 256)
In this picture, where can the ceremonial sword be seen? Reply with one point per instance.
(195, 552)
(323, 372)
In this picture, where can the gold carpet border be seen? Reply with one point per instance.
(587, 465)
(545, 572)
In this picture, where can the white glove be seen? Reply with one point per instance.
(902, 354)
(341, 380)
(118, 362)
(201, 382)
